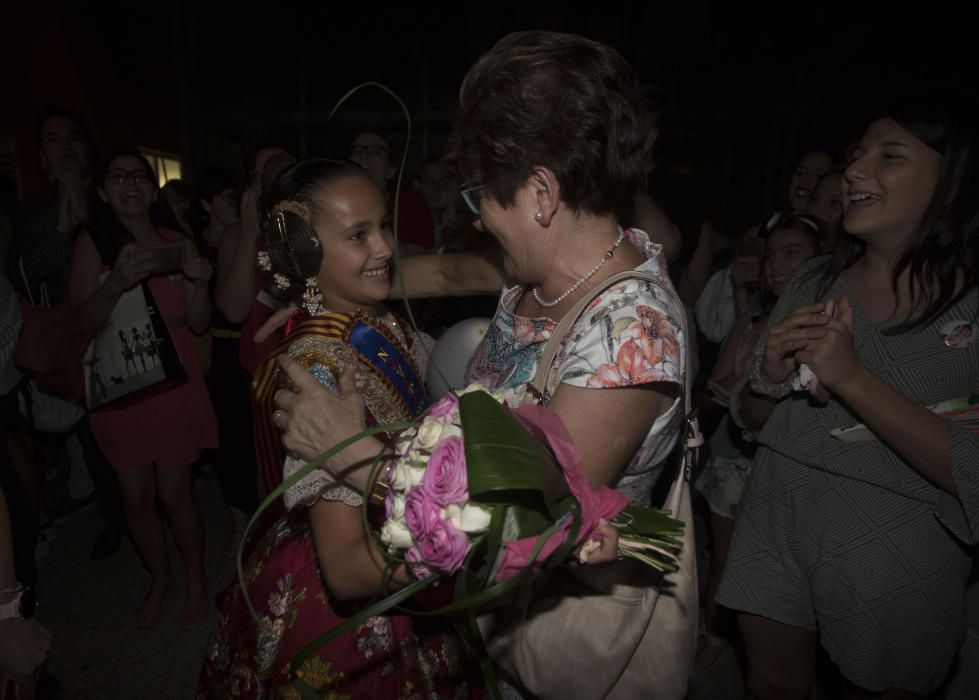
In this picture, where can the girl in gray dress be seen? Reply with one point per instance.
(863, 545)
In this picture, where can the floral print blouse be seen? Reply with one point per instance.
(630, 335)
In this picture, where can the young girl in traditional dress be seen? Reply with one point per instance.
(328, 237)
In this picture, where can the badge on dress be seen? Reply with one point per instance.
(958, 333)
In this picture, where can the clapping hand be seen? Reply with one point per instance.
(718, 394)
(73, 200)
(248, 212)
(832, 356)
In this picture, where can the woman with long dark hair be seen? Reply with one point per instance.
(865, 539)
(153, 442)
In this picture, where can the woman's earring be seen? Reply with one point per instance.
(538, 216)
(313, 298)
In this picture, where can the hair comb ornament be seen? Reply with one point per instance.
(300, 209)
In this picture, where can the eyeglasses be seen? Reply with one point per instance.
(373, 151)
(471, 200)
(121, 177)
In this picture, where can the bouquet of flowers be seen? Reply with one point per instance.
(446, 487)
(491, 497)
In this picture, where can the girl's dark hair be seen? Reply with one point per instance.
(168, 216)
(800, 223)
(293, 246)
(108, 232)
(943, 246)
(555, 100)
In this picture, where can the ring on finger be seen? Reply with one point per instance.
(275, 418)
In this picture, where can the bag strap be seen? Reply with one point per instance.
(538, 385)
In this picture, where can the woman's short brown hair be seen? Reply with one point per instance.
(559, 101)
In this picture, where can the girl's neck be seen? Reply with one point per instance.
(371, 313)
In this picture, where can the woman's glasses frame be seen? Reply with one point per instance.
(471, 199)
(118, 176)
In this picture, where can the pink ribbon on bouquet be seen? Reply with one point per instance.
(596, 504)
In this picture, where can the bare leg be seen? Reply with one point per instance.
(720, 542)
(780, 658)
(27, 470)
(138, 486)
(177, 494)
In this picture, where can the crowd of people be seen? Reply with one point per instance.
(831, 559)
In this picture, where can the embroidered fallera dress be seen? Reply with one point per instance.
(389, 656)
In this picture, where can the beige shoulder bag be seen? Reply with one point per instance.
(608, 631)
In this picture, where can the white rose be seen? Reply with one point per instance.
(395, 535)
(429, 433)
(469, 518)
(449, 430)
(406, 475)
(397, 507)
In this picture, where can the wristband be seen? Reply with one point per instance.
(758, 385)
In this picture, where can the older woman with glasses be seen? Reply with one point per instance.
(549, 140)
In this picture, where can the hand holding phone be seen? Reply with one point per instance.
(168, 257)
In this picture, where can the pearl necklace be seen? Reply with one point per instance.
(605, 258)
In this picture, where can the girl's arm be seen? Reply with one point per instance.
(94, 300)
(351, 564)
(921, 437)
(237, 251)
(197, 298)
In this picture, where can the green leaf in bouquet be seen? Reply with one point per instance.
(647, 521)
(494, 542)
(505, 463)
(523, 522)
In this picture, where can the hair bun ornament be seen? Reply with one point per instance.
(300, 209)
(264, 261)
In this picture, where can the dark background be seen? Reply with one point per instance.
(748, 87)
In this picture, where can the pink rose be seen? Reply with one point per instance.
(443, 547)
(415, 565)
(445, 406)
(421, 515)
(445, 481)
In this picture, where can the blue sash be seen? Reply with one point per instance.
(390, 363)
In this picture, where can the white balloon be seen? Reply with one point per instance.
(451, 354)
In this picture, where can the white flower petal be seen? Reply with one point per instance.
(474, 518)
(395, 535)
